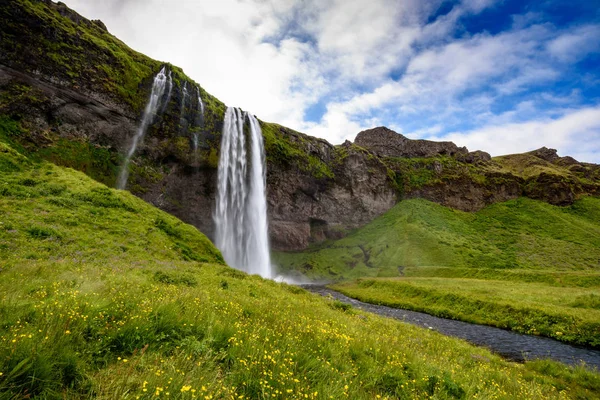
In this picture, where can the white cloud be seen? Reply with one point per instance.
(574, 45)
(576, 133)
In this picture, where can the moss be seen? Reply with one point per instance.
(282, 150)
(96, 161)
(213, 158)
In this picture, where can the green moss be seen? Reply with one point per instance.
(95, 161)
(213, 158)
(283, 150)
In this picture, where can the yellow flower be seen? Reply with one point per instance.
(186, 388)
(67, 332)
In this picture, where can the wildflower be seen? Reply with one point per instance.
(186, 388)
(67, 332)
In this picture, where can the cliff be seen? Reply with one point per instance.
(77, 94)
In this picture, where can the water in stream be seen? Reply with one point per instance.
(514, 346)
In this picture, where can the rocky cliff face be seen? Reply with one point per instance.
(77, 94)
(304, 208)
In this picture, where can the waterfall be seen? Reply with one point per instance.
(183, 123)
(158, 89)
(241, 209)
(199, 120)
(169, 91)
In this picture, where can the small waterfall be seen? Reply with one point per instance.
(183, 123)
(199, 121)
(161, 81)
(241, 210)
(169, 91)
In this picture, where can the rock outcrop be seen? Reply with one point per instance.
(384, 142)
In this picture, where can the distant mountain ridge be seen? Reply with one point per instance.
(77, 92)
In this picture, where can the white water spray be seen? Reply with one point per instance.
(158, 89)
(241, 210)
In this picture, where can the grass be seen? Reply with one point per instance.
(528, 165)
(103, 296)
(517, 234)
(286, 147)
(567, 313)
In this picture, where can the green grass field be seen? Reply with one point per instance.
(103, 296)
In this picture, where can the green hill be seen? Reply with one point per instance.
(517, 234)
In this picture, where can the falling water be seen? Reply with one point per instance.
(158, 89)
(199, 120)
(241, 210)
(169, 90)
(183, 123)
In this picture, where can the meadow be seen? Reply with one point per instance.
(104, 296)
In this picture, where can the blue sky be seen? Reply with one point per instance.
(502, 76)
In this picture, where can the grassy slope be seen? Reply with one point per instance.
(520, 233)
(97, 300)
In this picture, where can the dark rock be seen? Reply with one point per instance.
(475, 157)
(384, 142)
(466, 194)
(554, 189)
(546, 154)
(305, 209)
(100, 24)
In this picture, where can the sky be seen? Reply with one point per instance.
(503, 76)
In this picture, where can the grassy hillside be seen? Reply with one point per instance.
(522, 233)
(103, 296)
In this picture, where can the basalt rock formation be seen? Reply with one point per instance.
(77, 95)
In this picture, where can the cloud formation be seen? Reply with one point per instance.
(477, 72)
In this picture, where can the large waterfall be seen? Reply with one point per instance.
(161, 81)
(241, 210)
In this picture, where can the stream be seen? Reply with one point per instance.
(511, 345)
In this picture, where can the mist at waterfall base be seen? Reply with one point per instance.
(161, 82)
(241, 207)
